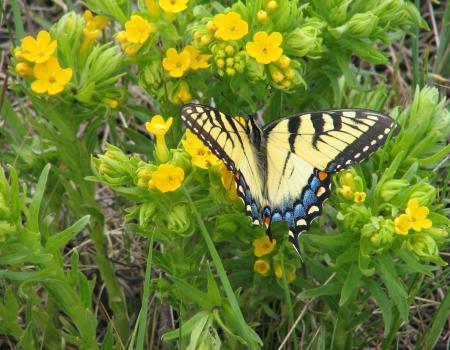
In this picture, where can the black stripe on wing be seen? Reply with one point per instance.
(218, 131)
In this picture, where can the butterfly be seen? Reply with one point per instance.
(283, 170)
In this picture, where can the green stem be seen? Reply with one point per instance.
(415, 52)
(252, 339)
(288, 302)
(144, 308)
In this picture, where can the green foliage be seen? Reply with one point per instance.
(224, 287)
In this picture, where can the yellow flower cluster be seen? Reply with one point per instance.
(179, 63)
(201, 156)
(94, 25)
(264, 246)
(348, 183)
(415, 218)
(136, 33)
(92, 28)
(282, 73)
(50, 77)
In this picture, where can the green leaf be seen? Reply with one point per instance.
(33, 219)
(410, 259)
(397, 292)
(188, 326)
(440, 319)
(383, 302)
(351, 284)
(196, 332)
(213, 290)
(60, 239)
(332, 288)
(189, 294)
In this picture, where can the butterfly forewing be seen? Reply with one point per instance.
(228, 140)
(331, 140)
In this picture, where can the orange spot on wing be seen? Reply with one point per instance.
(322, 175)
(237, 175)
(267, 220)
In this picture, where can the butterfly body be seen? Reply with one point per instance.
(283, 171)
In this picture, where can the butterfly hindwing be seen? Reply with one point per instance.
(228, 140)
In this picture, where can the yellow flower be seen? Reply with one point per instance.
(290, 275)
(265, 48)
(23, 69)
(167, 178)
(230, 26)
(228, 181)
(201, 156)
(198, 61)
(138, 29)
(402, 224)
(50, 77)
(144, 178)
(173, 6)
(263, 246)
(360, 197)
(38, 50)
(152, 8)
(346, 192)
(158, 127)
(261, 266)
(418, 215)
(182, 94)
(94, 24)
(111, 103)
(176, 63)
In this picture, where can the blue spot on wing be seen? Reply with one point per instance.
(309, 198)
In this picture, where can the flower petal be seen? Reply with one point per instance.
(39, 86)
(64, 76)
(43, 38)
(55, 88)
(40, 71)
(276, 38)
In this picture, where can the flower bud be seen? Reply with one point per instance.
(68, 32)
(424, 193)
(262, 16)
(423, 246)
(230, 71)
(229, 61)
(283, 61)
(346, 192)
(304, 41)
(23, 69)
(144, 176)
(271, 6)
(254, 70)
(290, 74)
(391, 188)
(380, 232)
(178, 221)
(229, 50)
(18, 54)
(110, 102)
(220, 63)
(276, 74)
(114, 166)
(211, 26)
(197, 35)
(205, 39)
(362, 24)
